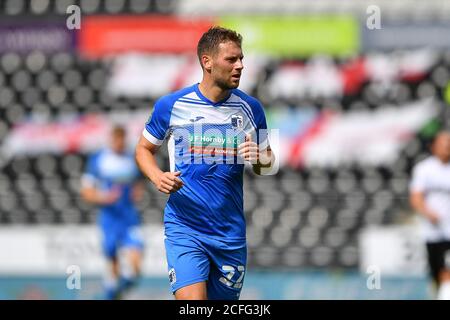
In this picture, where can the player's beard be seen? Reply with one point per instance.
(226, 85)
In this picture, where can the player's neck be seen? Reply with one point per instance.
(117, 151)
(211, 91)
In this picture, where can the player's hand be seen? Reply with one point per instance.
(111, 196)
(249, 150)
(168, 182)
(433, 217)
(137, 193)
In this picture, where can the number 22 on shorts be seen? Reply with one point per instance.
(231, 271)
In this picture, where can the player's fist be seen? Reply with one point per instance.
(169, 182)
(433, 217)
(111, 196)
(249, 150)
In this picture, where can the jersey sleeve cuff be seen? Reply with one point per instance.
(147, 135)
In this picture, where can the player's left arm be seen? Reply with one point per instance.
(256, 148)
(262, 160)
(137, 192)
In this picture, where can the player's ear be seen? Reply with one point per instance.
(207, 62)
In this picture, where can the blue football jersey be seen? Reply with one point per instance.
(202, 138)
(107, 170)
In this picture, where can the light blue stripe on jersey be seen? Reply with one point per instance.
(191, 99)
(192, 102)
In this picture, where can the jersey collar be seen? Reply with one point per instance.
(205, 99)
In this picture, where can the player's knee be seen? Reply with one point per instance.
(191, 295)
(196, 291)
(134, 260)
(444, 275)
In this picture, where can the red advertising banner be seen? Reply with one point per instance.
(109, 35)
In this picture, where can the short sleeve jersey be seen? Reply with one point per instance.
(202, 138)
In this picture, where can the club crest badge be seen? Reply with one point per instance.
(172, 276)
(237, 121)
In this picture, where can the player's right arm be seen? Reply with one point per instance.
(417, 200)
(90, 192)
(152, 137)
(166, 182)
(417, 194)
(93, 195)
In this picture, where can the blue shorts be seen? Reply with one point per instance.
(192, 259)
(116, 238)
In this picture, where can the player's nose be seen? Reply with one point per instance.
(239, 65)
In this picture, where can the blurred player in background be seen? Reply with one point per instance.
(113, 182)
(204, 220)
(430, 196)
